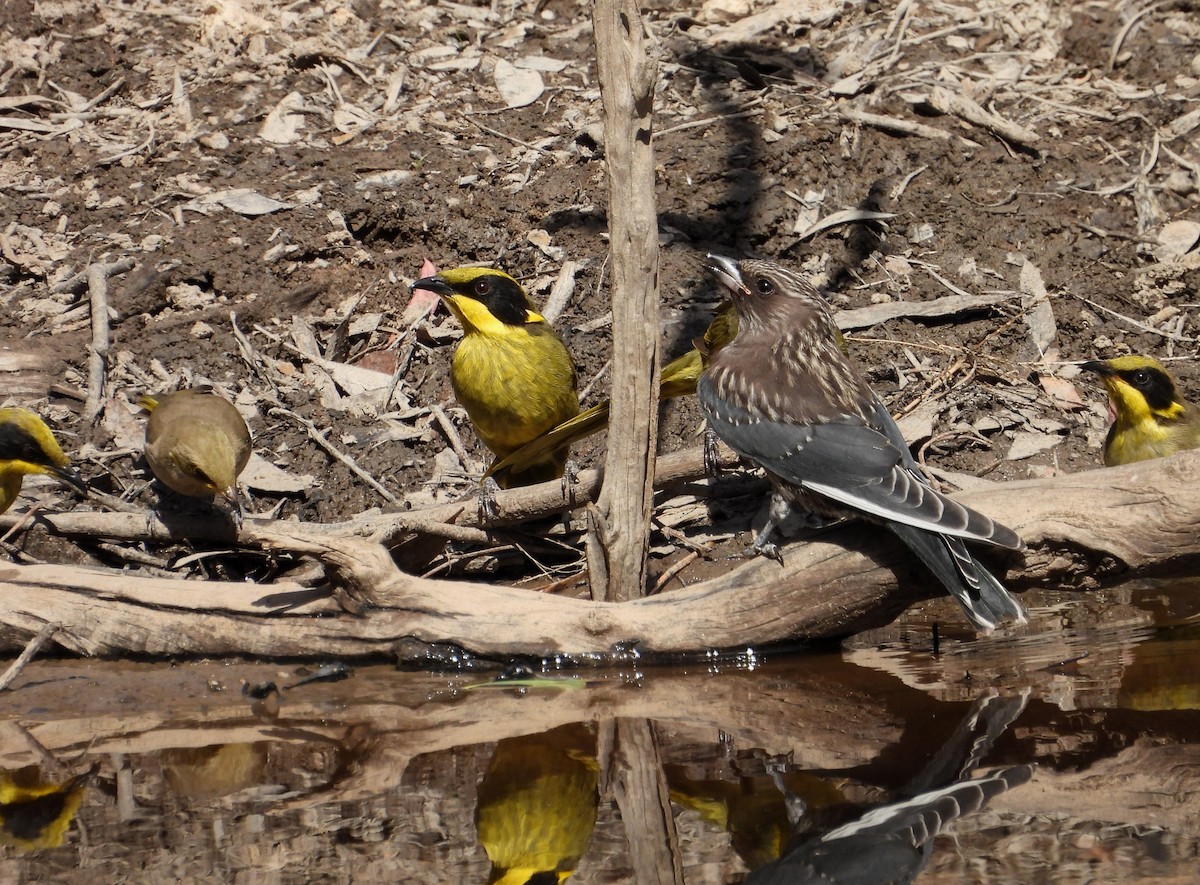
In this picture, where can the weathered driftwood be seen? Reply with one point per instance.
(1080, 529)
(627, 71)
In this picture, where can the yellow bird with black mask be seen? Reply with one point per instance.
(511, 371)
(1150, 417)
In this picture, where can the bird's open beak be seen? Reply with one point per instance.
(726, 270)
(1100, 368)
(436, 285)
(71, 478)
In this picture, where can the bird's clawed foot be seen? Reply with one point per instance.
(488, 489)
(778, 509)
(570, 479)
(712, 454)
(764, 546)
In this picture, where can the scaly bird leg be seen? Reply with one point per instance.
(712, 456)
(570, 479)
(782, 509)
(778, 511)
(488, 489)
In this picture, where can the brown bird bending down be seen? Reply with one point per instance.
(785, 397)
(28, 446)
(511, 371)
(197, 443)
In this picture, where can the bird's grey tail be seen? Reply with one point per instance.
(985, 601)
(927, 814)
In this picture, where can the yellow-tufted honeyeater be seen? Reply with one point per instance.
(537, 805)
(678, 378)
(1150, 418)
(28, 446)
(36, 813)
(511, 371)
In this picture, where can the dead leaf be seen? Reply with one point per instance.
(1027, 443)
(245, 201)
(423, 302)
(1062, 392)
(541, 239)
(542, 63)
(282, 125)
(917, 426)
(1176, 239)
(1039, 316)
(846, 216)
(517, 87)
(263, 476)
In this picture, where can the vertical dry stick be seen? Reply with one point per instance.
(640, 788)
(97, 280)
(627, 78)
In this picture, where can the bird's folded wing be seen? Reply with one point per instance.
(852, 463)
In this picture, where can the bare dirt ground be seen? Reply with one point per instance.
(277, 173)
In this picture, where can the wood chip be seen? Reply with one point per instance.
(947, 102)
(947, 306)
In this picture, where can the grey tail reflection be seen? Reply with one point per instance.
(892, 843)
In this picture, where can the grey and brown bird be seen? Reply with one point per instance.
(27, 447)
(197, 443)
(1150, 417)
(785, 397)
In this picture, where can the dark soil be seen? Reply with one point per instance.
(1083, 205)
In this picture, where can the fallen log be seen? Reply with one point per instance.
(1081, 529)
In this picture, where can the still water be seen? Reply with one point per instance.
(1069, 753)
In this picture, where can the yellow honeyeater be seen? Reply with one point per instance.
(203, 774)
(511, 371)
(537, 805)
(783, 395)
(678, 378)
(36, 813)
(196, 442)
(27, 446)
(1150, 418)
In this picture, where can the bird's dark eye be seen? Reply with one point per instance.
(482, 287)
(1141, 378)
(764, 286)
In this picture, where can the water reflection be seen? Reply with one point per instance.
(848, 843)
(201, 774)
(403, 777)
(35, 809)
(537, 805)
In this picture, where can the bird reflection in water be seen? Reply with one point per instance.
(35, 812)
(202, 774)
(805, 831)
(537, 805)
